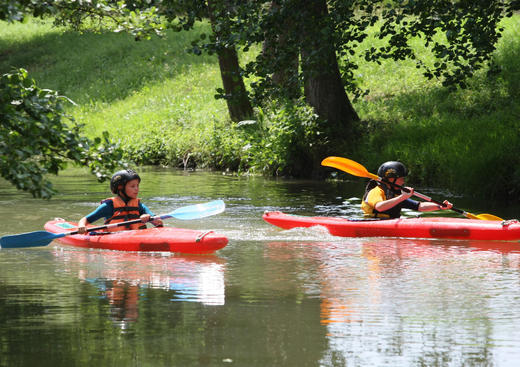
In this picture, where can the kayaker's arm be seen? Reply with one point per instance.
(103, 211)
(428, 206)
(390, 203)
(82, 225)
(146, 217)
(149, 214)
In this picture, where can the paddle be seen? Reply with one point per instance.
(43, 238)
(357, 169)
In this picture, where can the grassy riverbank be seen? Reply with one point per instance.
(158, 101)
(463, 140)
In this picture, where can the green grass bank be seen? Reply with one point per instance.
(158, 102)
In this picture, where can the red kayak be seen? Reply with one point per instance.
(426, 227)
(164, 239)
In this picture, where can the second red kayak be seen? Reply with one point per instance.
(426, 227)
(164, 239)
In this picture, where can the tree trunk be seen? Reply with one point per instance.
(235, 93)
(282, 56)
(238, 103)
(323, 86)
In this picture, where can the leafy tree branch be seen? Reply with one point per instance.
(36, 141)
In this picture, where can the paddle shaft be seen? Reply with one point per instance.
(200, 208)
(113, 225)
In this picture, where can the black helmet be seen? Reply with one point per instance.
(392, 169)
(120, 178)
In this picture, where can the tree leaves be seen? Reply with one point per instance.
(35, 140)
(461, 34)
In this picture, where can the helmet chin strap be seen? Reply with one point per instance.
(122, 195)
(391, 182)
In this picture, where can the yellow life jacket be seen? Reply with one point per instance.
(124, 212)
(386, 193)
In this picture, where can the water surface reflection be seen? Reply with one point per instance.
(122, 277)
(270, 298)
(414, 302)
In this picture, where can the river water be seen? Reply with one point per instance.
(270, 298)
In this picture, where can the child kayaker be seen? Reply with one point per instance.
(123, 207)
(383, 200)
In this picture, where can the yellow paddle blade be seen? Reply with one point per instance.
(488, 217)
(482, 216)
(349, 166)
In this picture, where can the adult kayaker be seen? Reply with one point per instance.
(123, 207)
(383, 200)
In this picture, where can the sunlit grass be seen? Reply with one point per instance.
(137, 91)
(461, 140)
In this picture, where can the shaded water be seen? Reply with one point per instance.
(270, 298)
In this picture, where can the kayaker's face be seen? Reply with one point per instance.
(132, 189)
(399, 181)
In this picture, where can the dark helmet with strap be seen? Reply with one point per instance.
(120, 178)
(392, 169)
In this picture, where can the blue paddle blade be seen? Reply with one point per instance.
(29, 239)
(197, 211)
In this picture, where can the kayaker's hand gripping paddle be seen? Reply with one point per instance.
(356, 169)
(43, 238)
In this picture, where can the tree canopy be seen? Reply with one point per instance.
(298, 34)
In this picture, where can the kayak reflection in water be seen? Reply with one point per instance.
(123, 298)
(386, 198)
(123, 207)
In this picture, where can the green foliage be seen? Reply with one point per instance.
(223, 148)
(151, 96)
(214, 145)
(158, 101)
(139, 18)
(34, 141)
(287, 139)
(462, 35)
(16, 10)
